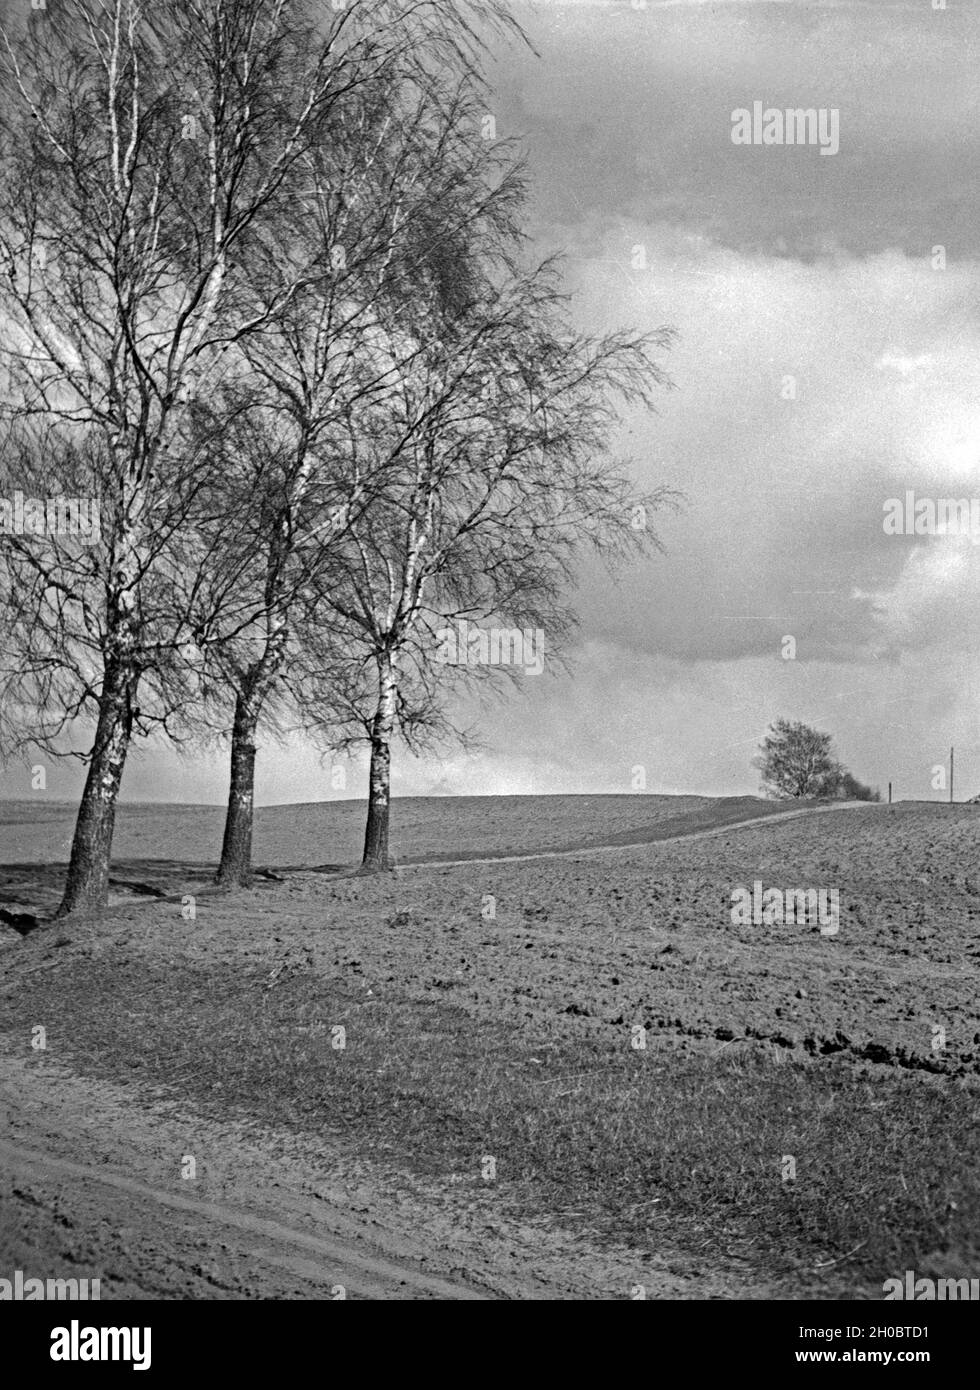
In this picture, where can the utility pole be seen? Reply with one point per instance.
(951, 776)
(889, 793)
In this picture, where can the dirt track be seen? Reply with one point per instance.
(265, 1217)
(663, 834)
(235, 1251)
(273, 1213)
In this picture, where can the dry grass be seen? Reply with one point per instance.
(510, 1038)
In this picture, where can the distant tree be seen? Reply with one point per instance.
(797, 761)
(852, 790)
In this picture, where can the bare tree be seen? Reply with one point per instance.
(406, 169)
(797, 761)
(144, 148)
(497, 470)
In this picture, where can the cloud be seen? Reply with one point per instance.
(905, 366)
(787, 436)
(825, 363)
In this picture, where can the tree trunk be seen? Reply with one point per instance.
(87, 884)
(235, 869)
(376, 856)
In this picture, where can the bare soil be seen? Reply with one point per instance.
(532, 963)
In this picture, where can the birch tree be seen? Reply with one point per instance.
(498, 470)
(143, 149)
(406, 170)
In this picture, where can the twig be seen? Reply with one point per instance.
(829, 1264)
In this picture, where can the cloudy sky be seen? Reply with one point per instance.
(824, 364)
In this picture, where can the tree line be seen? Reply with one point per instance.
(266, 296)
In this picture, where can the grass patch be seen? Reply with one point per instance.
(661, 1151)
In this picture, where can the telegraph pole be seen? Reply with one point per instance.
(951, 776)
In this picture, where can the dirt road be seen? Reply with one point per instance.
(111, 1181)
(264, 1216)
(665, 833)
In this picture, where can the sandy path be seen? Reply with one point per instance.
(101, 1194)
(244, 1227)
(666, 838)
(269, 1215)
(90, 1186)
